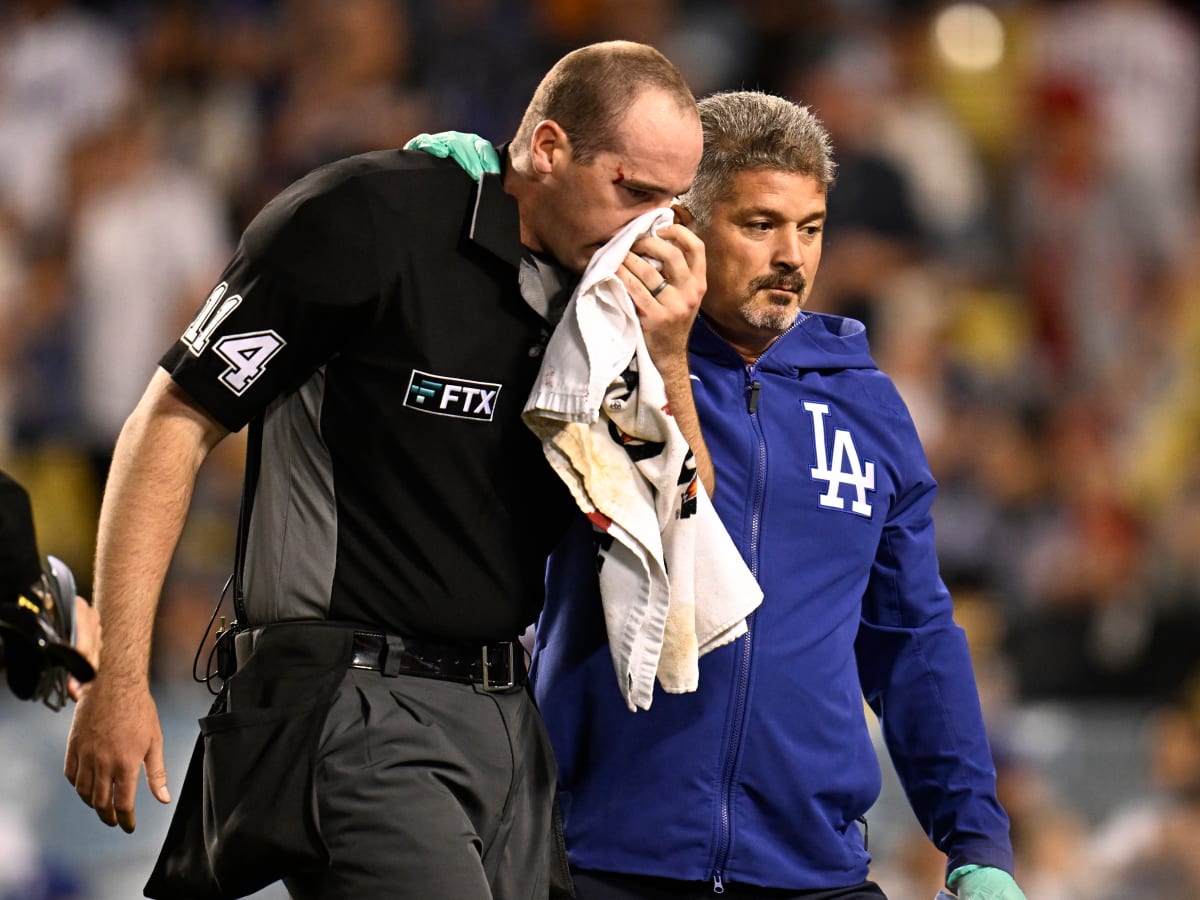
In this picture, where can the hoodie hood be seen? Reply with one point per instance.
(815, 341)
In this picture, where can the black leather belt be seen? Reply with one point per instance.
(498, 666)
(495, 667)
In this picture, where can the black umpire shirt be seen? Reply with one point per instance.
(371, 330)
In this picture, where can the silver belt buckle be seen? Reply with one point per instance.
(495, 686)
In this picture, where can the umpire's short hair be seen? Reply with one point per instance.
(751, 130)
(589, 90)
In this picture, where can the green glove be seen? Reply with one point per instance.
(473, 153)
(983, 883)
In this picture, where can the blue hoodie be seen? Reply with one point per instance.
(760, 776)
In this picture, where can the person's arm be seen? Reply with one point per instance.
(115, 730)
(915, 668)
(667, 318)
(918, 674)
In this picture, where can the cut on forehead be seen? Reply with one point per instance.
(658, 145)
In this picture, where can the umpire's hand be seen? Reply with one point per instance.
(115, 732)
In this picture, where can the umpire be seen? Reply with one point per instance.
(379, 329)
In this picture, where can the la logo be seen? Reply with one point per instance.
(843, 468)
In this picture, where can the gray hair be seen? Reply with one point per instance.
(750, 130)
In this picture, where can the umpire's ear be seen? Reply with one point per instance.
(683, 215)
(549, 147)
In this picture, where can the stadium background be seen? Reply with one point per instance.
(1015, 221)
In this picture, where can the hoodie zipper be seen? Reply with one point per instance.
(724, 837)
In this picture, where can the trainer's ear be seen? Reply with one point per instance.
(683, 215)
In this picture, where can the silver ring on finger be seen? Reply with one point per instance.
(661, 287)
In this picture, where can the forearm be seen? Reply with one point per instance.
(667, 300)
(936, 737)
(677, 382)
(146, 500)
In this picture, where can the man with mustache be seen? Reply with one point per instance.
(755, 785)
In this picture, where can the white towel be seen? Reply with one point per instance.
(600, 410)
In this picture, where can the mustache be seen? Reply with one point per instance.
(794, 283)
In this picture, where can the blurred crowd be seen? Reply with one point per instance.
(1015, 220)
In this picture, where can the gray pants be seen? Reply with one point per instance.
(431, 790)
